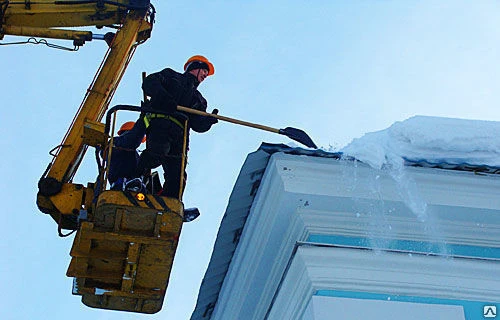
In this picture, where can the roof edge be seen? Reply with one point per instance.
(241, 200)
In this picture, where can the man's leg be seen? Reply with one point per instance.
(172, 167)
(157, 146)
(148, 160)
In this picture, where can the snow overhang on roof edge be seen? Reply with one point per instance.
(241, 200)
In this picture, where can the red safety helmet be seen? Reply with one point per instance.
(127, 126)
(211, 69)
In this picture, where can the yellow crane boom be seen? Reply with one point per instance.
(133, 23)
(125, 243)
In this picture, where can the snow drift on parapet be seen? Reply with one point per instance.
(432, 139)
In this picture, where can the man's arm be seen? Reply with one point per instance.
(132, 139)
(201, 123)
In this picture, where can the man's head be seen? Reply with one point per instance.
(127, 126)
(200, 67)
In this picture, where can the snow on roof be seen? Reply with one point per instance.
(431, 141)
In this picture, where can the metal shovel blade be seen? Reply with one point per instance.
(299, 136)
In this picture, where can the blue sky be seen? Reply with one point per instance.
(336, 69)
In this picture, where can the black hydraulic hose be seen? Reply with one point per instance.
(3, 8)
(117, 108)
(98, 151)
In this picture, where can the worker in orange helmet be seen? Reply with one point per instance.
(124, 157)
(165, 131)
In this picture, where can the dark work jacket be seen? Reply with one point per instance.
(125, 157)
(169, 88)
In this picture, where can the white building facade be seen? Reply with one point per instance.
(310, 235)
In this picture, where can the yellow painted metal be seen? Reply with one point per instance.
(122, 260)
(70, 198)
(44, 18)
(184, 160)
(98, 97)
(48, 33)
(93, 133)
(135, 29)
(64, 206)
(72, 13)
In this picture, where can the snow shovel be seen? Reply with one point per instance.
(292, 133)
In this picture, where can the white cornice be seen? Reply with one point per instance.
(331, 177)
(343, 269)
(300, 195)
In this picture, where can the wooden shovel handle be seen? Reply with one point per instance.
(236, 121)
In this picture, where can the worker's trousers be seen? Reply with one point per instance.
(164, 146)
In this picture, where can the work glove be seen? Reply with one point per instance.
(212, 120)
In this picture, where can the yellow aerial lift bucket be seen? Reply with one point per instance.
(123, 258)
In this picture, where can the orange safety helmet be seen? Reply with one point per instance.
(127, 126)
(211, 69)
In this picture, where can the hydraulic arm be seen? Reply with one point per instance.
(40, 18)
(130, 22)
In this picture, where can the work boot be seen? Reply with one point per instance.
(191, 214)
